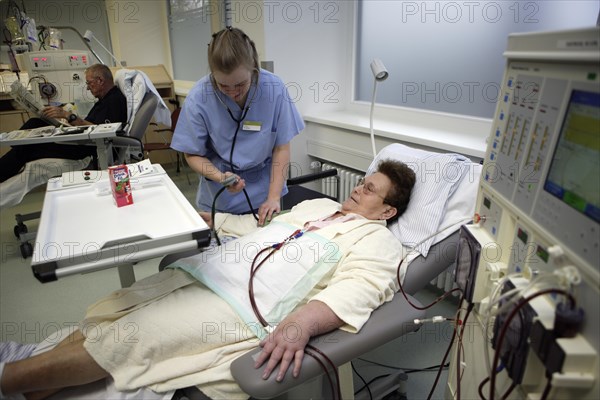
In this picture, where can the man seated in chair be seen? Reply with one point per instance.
(170, 330)
(110, 107)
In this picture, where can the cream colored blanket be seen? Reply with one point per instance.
(193, 339)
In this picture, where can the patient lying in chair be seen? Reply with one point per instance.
(185, 325)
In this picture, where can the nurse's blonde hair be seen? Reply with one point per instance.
(230, 48)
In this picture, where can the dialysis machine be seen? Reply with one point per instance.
(529, 267)
(58, 77)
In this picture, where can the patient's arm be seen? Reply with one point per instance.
(287, 342)
(68, 364)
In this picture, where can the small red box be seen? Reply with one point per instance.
(120, 185)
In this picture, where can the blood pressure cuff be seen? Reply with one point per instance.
(282, 282)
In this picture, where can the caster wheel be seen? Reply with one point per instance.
(26, 250)
(19, 229)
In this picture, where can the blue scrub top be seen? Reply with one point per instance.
(205, 128)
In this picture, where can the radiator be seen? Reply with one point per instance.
(346, 180)
(445, 280)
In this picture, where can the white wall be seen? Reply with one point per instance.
(139, 32)
(310, 43)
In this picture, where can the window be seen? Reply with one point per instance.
(446, 56)
(190, 32)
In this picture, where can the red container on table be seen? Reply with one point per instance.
(120, 185)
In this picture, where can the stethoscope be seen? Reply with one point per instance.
(238, 122)
(246, 108)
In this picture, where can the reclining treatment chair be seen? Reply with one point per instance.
(143, 103)
(441, 201)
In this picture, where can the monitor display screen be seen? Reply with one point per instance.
(574, 175)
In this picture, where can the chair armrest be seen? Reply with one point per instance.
(122, 145)
(124, 141)
(311, 177)
(391, 320)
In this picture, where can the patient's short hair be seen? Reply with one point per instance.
(100, 71)
(403, 180)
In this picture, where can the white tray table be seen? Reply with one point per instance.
(81, 231)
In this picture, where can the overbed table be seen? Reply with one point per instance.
(94, 135)
(82, 230)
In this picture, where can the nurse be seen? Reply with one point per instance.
(237, 124)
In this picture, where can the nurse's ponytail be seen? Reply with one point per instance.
(230, 48)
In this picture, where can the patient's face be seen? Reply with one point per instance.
(93, 83)
(367, 199)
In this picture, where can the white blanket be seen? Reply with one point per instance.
(283, 280)
(36, 173)
(134, 84)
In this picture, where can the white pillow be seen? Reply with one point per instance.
(460, 207)
(133, 86)
(439, 178)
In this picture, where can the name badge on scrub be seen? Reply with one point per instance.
(252, 126)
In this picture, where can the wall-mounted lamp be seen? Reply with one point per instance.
(379, 71)
(89, 35)
(380, 74)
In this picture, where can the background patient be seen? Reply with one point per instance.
(186, 335)
(110, 107)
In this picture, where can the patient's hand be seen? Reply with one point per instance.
(283, 346)
(54, 112)
(287, 342)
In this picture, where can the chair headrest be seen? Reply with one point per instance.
(443, 197)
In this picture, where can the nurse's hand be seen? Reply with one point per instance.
(206, 216)
(238, 185)
(267, 210)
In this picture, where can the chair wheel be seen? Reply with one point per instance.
(26, 250)
(20, 229)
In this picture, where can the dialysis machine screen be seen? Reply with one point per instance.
(575, 168)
